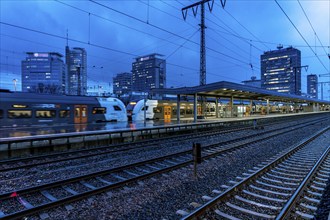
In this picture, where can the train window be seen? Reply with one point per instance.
(143, 108)
(99, 110)
(45, 114)
(173, 111)
(84, 112)
(157, 110)
(1, 113)
(189, 111)
(182, 112)
(19, 114)
(77, 112)
(64, 114)
(116, 108)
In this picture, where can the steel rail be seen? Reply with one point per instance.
(134, 147)
(209, 205)
(101, 189)
(39, 208)
(158, 131)
(285, 212)
(139, 142)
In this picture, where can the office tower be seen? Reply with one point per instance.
(43, 73)
(148, 72)
(76, 61)
(122, 84)
(281, 70)
(312, 88)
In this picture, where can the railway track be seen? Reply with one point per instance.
(35, 199)
(288, 187)
(16, 178)
(29, 162)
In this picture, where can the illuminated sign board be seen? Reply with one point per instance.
(19, 106)
(44, 106)
(40, 54)
(144, 58)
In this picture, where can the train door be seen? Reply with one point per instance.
(167, 113)
(80, 114)
(199, 110)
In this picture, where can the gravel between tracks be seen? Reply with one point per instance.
(162, 196)
(23, 178)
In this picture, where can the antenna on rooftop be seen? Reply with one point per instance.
(67, 37)
(280, 46)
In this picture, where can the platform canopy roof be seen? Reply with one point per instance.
(226, 89)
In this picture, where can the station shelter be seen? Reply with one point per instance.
(247, 96)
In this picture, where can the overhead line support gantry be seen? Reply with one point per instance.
(194, 7)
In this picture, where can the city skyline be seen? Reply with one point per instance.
(113, 34)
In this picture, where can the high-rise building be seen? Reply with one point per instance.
(312, 88)
(43, 73)
(281, 70)
(148, 72)
(76, 61)
(122, 84)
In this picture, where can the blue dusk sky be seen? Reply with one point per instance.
(115, 32)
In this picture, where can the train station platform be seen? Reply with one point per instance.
(122, 126)
(17, 142)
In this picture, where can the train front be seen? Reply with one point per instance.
(116, 110)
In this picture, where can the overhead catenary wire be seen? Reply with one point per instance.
(166, 3)
(121, 24)
(181, 45)
(82, 42)
(312, 27)
(87, 12)
(217, 32)
(301, 35)
(178, 42)
(162, 29)
(245, 28)
(86, 43)
(115, 22)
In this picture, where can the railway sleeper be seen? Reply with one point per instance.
(304, 215)
(249, 212)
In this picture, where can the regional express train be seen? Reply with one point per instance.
(21, 109)
(166, 109)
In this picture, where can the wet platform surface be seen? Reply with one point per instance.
(113, 126)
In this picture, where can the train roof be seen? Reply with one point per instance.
(45, 98)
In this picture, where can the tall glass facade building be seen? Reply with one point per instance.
(122, 84)
(312, 89)
(43, 73)
(281, 70)
(148, 72)
(76, 61)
